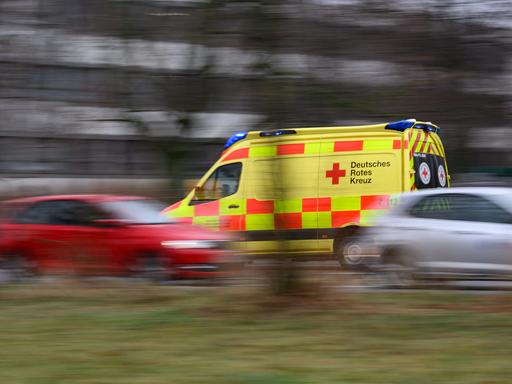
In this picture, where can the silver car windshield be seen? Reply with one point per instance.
(143, 211)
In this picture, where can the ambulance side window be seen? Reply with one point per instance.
(221, 183)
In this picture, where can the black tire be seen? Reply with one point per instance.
(15, 268)
(151, 267)
(349, 253)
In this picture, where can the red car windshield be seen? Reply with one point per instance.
(141, 211)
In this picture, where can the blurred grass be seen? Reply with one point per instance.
(101, 333)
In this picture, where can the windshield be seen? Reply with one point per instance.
(141, 211)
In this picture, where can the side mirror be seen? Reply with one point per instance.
(109, 223)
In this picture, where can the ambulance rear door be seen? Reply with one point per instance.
(429, 162)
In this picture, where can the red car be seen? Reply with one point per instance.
(107, 235)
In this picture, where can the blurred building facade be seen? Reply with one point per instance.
(148, 89)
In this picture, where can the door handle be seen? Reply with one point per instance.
(232, 206)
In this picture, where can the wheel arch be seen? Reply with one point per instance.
(345, 232)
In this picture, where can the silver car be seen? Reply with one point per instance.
(446, 233)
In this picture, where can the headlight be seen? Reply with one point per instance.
(191, 244)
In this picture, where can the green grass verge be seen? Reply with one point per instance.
(70, 333)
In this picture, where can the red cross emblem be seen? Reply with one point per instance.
(442, 175)
(424, 173)
(335, 173)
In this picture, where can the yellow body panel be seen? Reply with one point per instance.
(283, 246)
(286, 179)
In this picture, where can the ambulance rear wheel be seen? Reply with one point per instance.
(349, 253)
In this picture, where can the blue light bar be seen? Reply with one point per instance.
(428, 128)
(234, 138)
(278, 133)
(401, 125)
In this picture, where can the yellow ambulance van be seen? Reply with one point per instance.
(312, 188)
